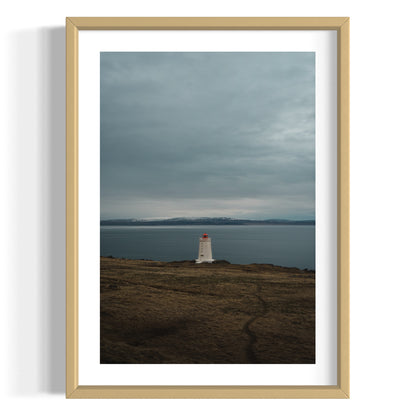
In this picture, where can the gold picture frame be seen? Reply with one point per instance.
(338, 24)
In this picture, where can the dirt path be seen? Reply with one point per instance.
(252, 338)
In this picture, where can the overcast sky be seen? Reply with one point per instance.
(208, 134)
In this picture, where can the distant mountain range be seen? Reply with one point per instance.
(202, 221)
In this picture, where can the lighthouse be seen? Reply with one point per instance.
(205, 251)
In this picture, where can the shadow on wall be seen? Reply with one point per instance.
(36, 333)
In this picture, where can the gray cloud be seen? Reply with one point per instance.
(208, 134)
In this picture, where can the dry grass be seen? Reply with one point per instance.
(182, 312)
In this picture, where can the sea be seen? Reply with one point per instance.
(284, 245)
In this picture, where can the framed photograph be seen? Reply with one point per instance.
(207, 207)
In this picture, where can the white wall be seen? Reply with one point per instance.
(383, 175)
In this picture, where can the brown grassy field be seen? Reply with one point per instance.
(182, 312)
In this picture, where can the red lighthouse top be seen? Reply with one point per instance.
(205, 235)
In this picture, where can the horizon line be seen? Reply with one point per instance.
(204, 217)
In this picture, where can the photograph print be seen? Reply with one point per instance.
(207, 207)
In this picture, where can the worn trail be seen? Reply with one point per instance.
(252, 337)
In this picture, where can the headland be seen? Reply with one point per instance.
(182, 312)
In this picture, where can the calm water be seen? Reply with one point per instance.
(290, 246)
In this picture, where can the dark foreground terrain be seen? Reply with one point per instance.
(182, 312)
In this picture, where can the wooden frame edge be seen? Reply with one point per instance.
(207, 23)
(207, 392)
(343, 322)
(73, 25)
(71, 207)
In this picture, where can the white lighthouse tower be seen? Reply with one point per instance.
(205, 251)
